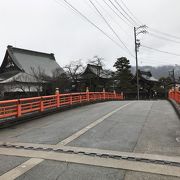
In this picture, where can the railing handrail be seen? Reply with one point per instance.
(20, 107)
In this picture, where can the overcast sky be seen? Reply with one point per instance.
(49, 26)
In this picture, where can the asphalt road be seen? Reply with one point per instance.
(150, 127)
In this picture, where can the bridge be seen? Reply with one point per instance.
(110, 139)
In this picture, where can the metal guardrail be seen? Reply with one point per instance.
(21, 107)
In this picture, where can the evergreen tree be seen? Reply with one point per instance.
(123, 74)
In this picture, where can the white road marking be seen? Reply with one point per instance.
(85, 129)
(95, 161)
(64, 142)
(21, 169)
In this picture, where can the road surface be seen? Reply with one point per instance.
(143, 129)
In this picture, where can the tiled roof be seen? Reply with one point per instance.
(148, 76)
(21, 77)
(29, 61)
(7, 75)
(97, 70)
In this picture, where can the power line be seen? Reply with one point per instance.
(111, 17)
(148, 61)
(151, 29)
(88, 20)
(120, 12)
(137, 20)
(125, 12)
(174, 54)
(164, 38)
(110, 27)
(163, 33)
(154, 59)
(89, 4)
(116, 13)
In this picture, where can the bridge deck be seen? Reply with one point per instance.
(125, 128)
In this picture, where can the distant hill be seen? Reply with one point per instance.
(157, 72)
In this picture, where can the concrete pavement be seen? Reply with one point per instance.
(139, 127)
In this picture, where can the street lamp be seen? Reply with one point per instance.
(137, 31)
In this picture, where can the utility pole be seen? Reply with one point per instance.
(173, 77)
(137, 31)
(174, 80)
(137, 72)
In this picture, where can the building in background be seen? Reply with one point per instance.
(97, 78)
(147, 84)
(26, 73)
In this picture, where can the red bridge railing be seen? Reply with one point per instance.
(175, 95)
(20, 107)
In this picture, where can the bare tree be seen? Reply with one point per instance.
(98, 61)
(40, 78)
(74, 70)
(22, 82)
(60, 80)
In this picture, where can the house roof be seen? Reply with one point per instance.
(20, 77)
(7, 75)
(29, 61)
(147, 76)
(150, 78)
(98, 71)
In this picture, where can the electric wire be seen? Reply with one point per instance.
(135, 18)
(144, 46)
(88, 20)
(125, 12)
(110, 27)
(164, 38)
(120, 12)
(116, 13)
(163, 33)
(150, 29)
(166, 52)
(111, 17)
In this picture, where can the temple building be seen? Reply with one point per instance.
(23, 72)
(146, 84)
(96, 78)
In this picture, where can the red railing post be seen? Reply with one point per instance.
(175, 98)
(57, 97)
(19, 113)
(122, 95)
(87, 93)
(104, 94)
(41, 105)
(114, 94)
(70, 99)
(80, 98)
